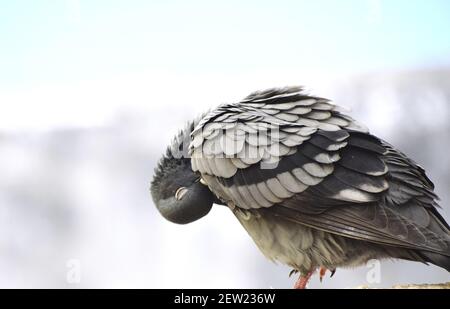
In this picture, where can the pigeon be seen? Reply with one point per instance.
(311, 186)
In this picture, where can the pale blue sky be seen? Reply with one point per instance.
(79, 62)
(64, 40)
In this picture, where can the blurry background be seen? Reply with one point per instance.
(91, 93)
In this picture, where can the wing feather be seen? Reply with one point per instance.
(301, 158)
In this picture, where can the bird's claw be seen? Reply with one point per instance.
(293, 272)
(323, 271)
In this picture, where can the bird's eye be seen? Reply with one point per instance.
(180, 193)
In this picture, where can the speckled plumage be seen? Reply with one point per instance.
(304, 248)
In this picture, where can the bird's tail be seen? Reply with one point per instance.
(441, 260)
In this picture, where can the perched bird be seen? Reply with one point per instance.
(312, 187)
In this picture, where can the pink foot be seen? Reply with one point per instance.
(303, 280)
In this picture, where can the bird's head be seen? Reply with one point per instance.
(176, 190)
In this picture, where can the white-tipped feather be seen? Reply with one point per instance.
(291, 183)
(318, 170)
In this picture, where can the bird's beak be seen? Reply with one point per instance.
(180, 193)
